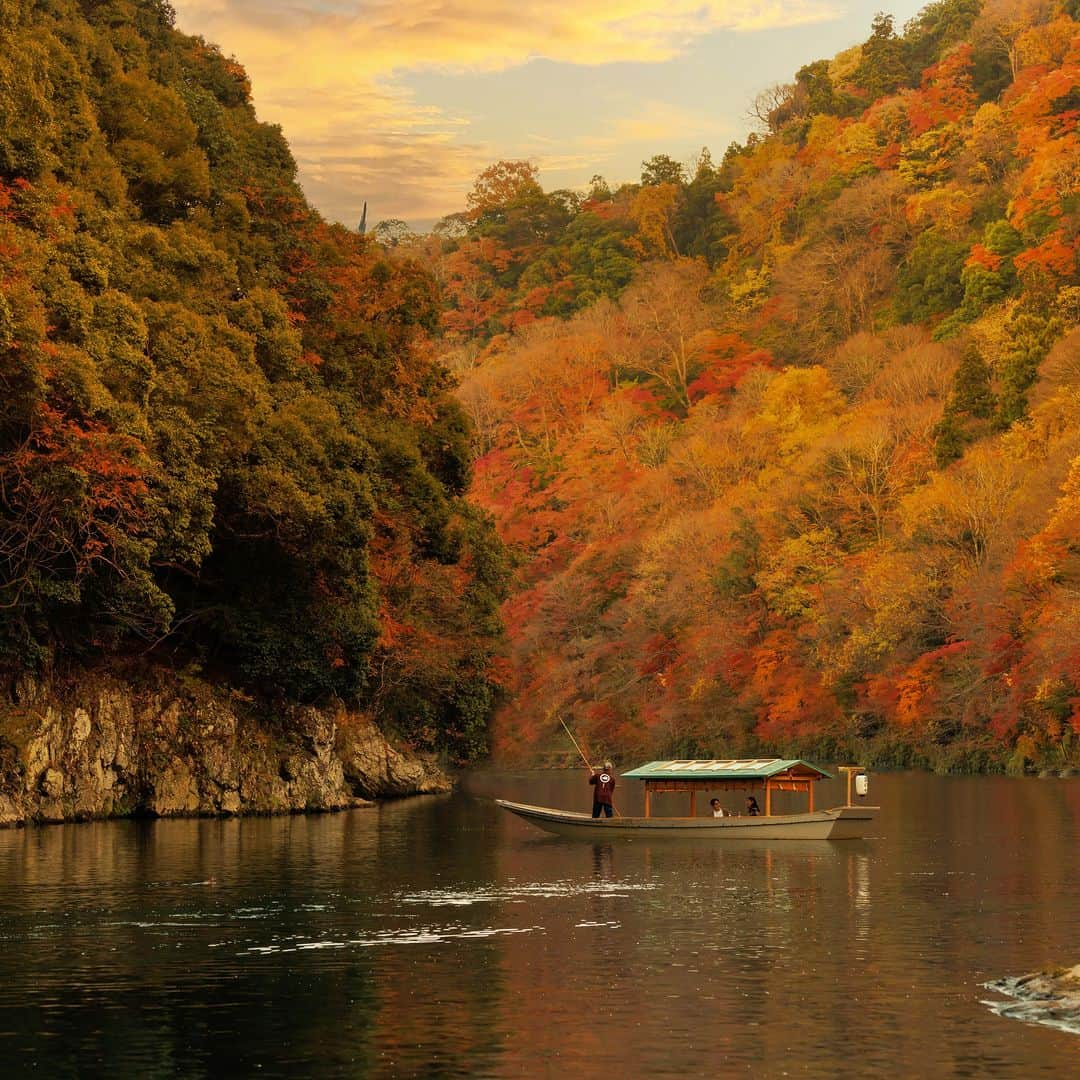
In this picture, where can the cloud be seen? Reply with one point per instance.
(331, 71)
(375, 143)
(378, 37)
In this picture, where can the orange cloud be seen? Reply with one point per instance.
(329, 72)
(378, 37)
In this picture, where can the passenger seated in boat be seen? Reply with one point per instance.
(717, 809)
(752, 806)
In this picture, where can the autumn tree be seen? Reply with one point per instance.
(664, 317)
(1002, 24)
(500, 185)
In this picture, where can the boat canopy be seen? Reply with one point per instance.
(773, 774)
(718, 770)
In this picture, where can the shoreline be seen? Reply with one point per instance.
(102, 748)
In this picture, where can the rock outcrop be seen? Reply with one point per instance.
(1046, 997)
(175, 746)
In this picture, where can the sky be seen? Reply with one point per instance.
(401, 103)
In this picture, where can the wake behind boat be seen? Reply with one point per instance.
(691, 776)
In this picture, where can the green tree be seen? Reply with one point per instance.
(1032, 331)
(881, 69)
(969, 409)
(662, 169)
(940, 25)
(928, 282)
(223, 435)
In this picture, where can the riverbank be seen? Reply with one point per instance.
(169, 745)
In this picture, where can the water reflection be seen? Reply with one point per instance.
(440, 937)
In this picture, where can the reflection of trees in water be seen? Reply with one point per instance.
(139, 943)
(439, 1004)
(145, 966)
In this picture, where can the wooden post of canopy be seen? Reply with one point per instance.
(810, 794)
(851, 771)
(648, 799)
(768, 798)
(693, 802)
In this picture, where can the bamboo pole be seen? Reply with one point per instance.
(588, 764)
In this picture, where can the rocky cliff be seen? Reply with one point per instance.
(165, 746)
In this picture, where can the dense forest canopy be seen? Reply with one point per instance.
(783, 449)
(788, 444)
(225, 441)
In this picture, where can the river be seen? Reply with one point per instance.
(440, 937)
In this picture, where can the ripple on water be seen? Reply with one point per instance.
(514, 893)
(410, 937)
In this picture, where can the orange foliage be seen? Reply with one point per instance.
(732, 533)
(945, 94)
(1052, 254)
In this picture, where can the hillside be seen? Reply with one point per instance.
(789, 446)
(225, 444)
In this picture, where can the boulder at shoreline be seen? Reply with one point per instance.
(1045, 997)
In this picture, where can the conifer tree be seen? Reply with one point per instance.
(971, 404)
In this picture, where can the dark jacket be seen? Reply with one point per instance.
(605, 786)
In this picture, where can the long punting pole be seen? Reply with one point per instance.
(588, 764)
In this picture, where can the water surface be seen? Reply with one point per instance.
(440, 937)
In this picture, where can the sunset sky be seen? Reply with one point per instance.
(402, 102)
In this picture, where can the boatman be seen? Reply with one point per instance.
(603, 781)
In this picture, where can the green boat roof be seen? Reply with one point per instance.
(724, 769)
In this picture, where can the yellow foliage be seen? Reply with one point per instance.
(1064, 522)
(824, 130)
(1047, 44)
(798, 407)
(857, 145)
(896, 591)
(947, 208)
(990, 332)
(844, 64)
(1068, 304)
(652, 209)
(991, 142)
(752, 289)
(796, 568)
(965, 508)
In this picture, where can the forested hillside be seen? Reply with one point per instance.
(789, 445)
(225, 444)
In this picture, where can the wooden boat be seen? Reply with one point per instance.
(839, 823)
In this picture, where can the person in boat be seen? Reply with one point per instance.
(751, 806)
(717, 809)
(603, 781)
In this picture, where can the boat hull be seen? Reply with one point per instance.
(840, 823)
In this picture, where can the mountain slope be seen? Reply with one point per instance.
(224, 440)
(815, 489)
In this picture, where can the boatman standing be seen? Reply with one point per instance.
(603, 781)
